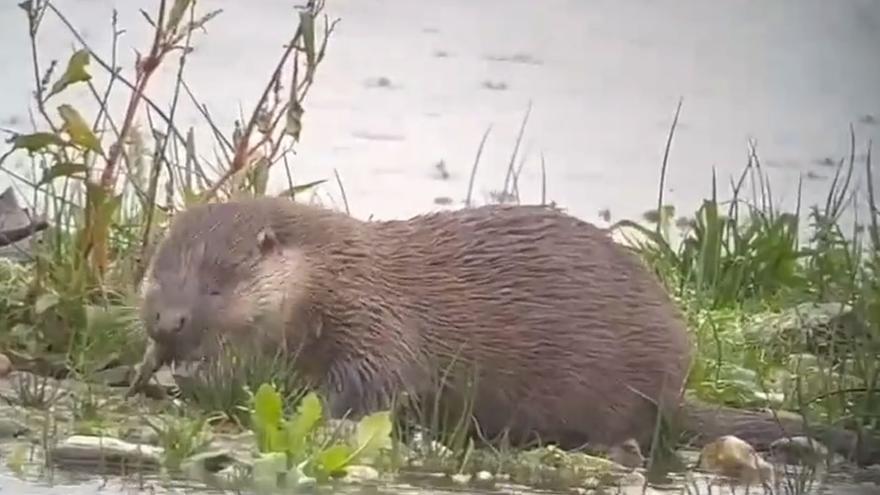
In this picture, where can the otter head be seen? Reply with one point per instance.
(219, 274)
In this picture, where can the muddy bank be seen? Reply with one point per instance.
(56, 449)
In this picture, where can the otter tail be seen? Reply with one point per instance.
(701, 423)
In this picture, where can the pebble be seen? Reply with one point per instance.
(484, 479)
(461, 479)
(733, 457)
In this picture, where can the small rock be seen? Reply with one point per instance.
(86, 450)
(5, 366)
(360, 474)
(484, 479)
(799, 450)
(732, 457)
(461, 479)
(306, 482)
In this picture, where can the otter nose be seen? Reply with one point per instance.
(170, 321)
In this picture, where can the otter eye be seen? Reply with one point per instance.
(214, 293)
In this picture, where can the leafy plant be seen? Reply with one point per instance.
(736, 263)
(180, 438)
(304, 447)
(223, 385)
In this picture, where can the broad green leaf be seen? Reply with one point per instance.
(64, 170)
(268, 405)
(75, 72)
(267, 415)
(36, 141)
(333, 459)
(45, 301)
(176, 14)
(374, 433)
(309, 413)
(80, 132)
(293, 191)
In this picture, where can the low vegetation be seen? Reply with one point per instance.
(784, 314)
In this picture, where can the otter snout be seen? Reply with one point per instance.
(169, 322)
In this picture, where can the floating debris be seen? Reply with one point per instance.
(516, 58)
(379, 82)
(495, 86)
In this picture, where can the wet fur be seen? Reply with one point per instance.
(570, 339)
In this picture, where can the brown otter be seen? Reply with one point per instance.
(571, 340)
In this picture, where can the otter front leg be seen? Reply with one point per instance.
(354, 389)
(148, 366)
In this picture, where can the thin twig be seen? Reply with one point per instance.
(519, 136)
(665, 163)
(97, 58)
(342, 190)
(543, 181)
(145, 69)
(470, 189)
(160, 153)
(242, 148)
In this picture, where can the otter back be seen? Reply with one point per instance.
(569, 338)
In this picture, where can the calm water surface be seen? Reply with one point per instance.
(603, 78)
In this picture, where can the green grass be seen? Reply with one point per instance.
(752, 287)
(739, 268)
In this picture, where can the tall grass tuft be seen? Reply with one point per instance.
(108, 184)
(785, 313)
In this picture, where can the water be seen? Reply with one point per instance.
(603, 78)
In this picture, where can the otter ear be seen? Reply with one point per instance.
(267, 241)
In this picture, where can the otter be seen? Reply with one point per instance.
(568, 337)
